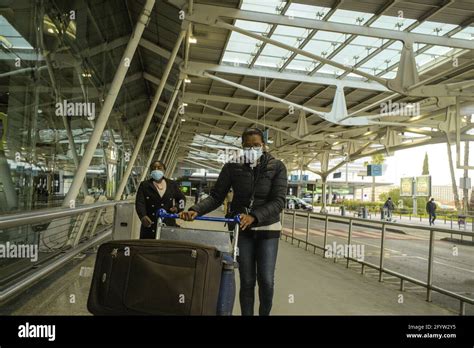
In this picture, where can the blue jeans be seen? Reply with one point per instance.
(257, 259)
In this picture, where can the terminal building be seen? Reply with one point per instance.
(92, 93)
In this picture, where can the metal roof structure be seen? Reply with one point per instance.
(331, 80)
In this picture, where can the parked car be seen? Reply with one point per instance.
(293, 202)
(308, 198)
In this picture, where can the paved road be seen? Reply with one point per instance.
(404, 253)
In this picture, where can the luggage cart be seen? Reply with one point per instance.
(224, 241)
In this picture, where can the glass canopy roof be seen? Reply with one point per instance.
(363, 52)
(375, 56)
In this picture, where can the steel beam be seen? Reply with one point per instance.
(157, 81)
(158, 50)
(216, 117)
(170, 149)
(197, 68)
(170, 130)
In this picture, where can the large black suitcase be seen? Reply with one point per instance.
(155, 277)
(221, 241)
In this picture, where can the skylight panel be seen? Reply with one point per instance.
(242, 43)
(433, 28)
(390, 75)
(236, 57)
(274, 51)
(301, 63)
(329, 69)
(289, 31)
(321, 48)
(423, 59)
(433, 54)
(241, 47)
(384, 59)
(257, 27)
(291, 36)
(390, 22)
(351, 54)
(329, 36)
(350, 17)
(438, 51)
(273, 62)
(307, 11)
(466, 34)
(367, 41)
(267, 6)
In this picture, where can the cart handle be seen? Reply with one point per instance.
(163, 214)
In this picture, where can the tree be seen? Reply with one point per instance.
(426, 169)
(407, 201)
(393, 193)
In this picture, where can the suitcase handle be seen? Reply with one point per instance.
(163, 214)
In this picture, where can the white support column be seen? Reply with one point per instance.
(324, 209)
(75, 158)
(169, 152)
(109, 102)
(162, 127)
(172, 159)
(172, 152)
(149, 117)
(175, 162)
(453, 175)
(172, 144)
(170, 130)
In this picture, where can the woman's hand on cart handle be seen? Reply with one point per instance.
(188, 215)
(146, 221)
(246, 220)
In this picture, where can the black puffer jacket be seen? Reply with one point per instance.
(270, 190)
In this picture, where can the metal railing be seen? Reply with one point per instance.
(59, 234)
(447, 217)
(380, 267)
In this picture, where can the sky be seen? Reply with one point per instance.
(409, 162)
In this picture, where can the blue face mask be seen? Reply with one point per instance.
(157, 174)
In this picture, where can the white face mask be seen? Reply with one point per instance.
(252, 154)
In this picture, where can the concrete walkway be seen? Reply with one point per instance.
(307, 284)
